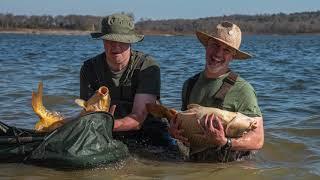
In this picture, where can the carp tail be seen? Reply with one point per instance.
(37, 104)
(47, 118)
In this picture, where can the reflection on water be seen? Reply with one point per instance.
(285, 72)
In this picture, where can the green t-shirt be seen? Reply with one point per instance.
(116, 76)
(240, 98)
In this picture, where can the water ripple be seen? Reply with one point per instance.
(284, 71)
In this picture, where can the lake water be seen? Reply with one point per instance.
(285, 72)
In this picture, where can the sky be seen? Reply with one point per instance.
(161, 9)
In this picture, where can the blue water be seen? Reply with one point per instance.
(285, 73)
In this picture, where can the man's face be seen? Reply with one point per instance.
(218, 56)
(117, 52)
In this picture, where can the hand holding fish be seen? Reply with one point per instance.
(176, 132)
(213, 130)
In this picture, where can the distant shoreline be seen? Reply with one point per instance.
(82, 32)
(45, 31)
(69, 32)
(66, 32)
(300, 23)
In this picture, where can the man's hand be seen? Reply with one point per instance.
(213, 130)
(176, 132)
(112, 109)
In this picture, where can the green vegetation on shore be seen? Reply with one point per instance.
(294, 23)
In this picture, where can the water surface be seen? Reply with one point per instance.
(285, 73)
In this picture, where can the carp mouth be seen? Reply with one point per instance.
(103, 90)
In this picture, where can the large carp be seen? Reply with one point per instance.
(50, 120)
(235, 124)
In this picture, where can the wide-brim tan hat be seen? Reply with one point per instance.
(119, 28)
(228, 34)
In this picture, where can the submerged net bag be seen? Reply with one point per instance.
(85, 142)
(17, 143)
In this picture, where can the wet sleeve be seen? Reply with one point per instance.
(248, 102)
(149, 78)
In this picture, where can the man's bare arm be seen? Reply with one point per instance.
(253, 140)
(139, 113)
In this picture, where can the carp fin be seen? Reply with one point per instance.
(81, 103)
(161, 111)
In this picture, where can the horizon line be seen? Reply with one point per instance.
(146, 18)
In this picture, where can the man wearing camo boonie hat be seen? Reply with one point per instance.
(132, 77)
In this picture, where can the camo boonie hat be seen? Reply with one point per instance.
(118, 27)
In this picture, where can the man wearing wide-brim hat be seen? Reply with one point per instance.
(132, 77)
(217, 86)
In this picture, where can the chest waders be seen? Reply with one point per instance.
(153, 130)
(219, 96)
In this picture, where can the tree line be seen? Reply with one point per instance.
(281, 23)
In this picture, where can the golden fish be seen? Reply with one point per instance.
(235, 124)
(50, 120)
(100, 101)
